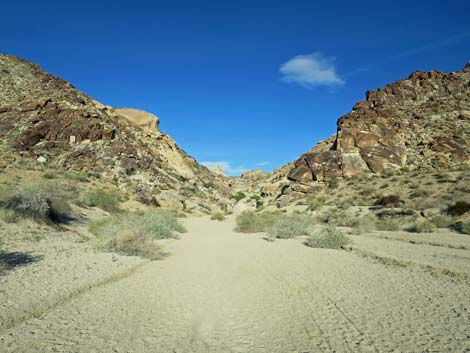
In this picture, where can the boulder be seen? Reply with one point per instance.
(140, 119)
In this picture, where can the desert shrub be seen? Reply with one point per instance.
(419, 193)
(51, 174)
(289, 226)
(389, 201)
(8, 216)
(135, 233)
(441, 221)
(238, 196)
(33, 202)
(107, 200)
(333, 183)
(255, 197)
(251, 222)
(395, 213)
(422, 227)
(368, 191)
(315, 203)
(462, 227)
(387, 224)
(345, 204)
(217, 216)
(132, 243)
(363, 225)
(81, 176)
(328, 238)
(459, 208)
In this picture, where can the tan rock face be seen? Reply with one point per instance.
(139, 118)
(421, 122)
(218, 171)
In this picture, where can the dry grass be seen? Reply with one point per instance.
(137, 233)
(218, 216)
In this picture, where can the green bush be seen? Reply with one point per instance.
(107, 200)
(136, 233)
(289, 226)
(328, 238)
(238, 196)
(255, 197)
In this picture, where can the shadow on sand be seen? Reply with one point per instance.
(11, 260)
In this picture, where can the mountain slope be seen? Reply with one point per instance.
(422, 122)
(42, 116)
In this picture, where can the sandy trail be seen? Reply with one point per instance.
(220, 291)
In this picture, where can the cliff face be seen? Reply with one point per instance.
(44, 116)
(422, 122)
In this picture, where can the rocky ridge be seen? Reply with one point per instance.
(44, 117)
(421, 123)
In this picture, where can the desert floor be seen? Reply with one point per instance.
(220, 291)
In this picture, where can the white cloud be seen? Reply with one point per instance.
(226, 167)
(263, 164)
(311, 70)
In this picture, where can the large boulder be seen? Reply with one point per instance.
(139, 118)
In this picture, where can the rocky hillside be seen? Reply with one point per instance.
(419, 123)
(45, 118)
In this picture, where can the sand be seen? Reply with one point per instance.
(221, 291)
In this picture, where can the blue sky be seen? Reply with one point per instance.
(244, 83)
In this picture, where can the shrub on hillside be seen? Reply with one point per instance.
(238, 196)
(328, 238)
(389, 201)
(107, 200)
(459, 208)
(315, 203)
